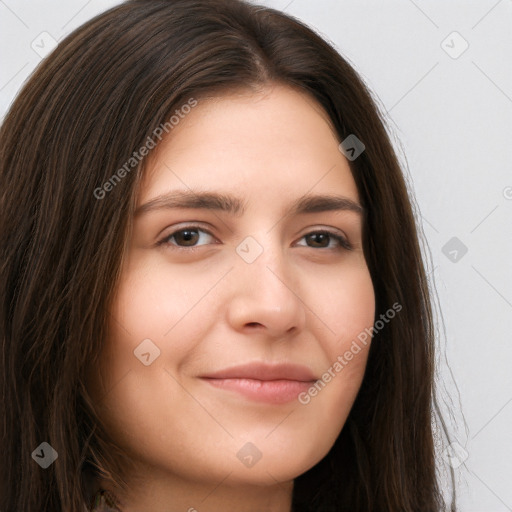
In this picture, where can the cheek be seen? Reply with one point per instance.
(348, 308)
(148, 298)
(156, 301)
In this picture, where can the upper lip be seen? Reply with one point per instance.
(263, 371)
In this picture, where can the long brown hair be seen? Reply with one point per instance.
(89, 105)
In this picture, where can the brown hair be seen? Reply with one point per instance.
(88, 106)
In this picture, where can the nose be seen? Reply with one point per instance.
(266, 296)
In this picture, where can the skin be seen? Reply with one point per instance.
(303, 300)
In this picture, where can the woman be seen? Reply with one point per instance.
(165, 157)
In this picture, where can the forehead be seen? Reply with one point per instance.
(276, 141)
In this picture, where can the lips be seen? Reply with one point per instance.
(260, 382)
(260, 371)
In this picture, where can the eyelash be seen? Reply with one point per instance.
(344, 244)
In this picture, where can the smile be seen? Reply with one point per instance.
(263, 383)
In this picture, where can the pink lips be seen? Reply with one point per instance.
(276, 384)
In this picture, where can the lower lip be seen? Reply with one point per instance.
(268, 391)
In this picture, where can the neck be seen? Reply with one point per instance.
(176, 495)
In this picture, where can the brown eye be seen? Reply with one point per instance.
(187, 237)
(318, 239)
(323, 240)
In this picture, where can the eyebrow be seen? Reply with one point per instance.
(235, 206)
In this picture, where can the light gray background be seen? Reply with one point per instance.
(451, 116)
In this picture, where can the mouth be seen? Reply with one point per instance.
(274, 384)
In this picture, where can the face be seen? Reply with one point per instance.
(244, 284)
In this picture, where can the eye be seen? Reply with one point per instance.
(189, 236)
(195, 236)
(322, 240)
